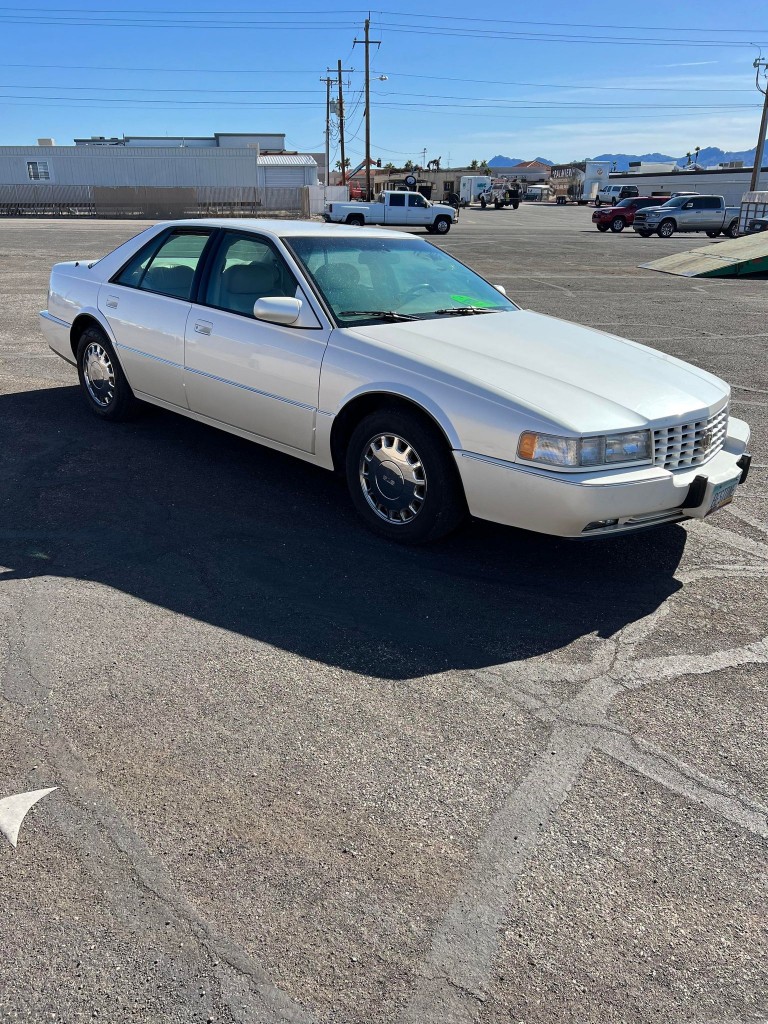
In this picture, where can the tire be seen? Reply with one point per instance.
(497, 206)
(483, 204)
(106, 391)
(515, 203)
(666, 229)
(732, 230)
(597, 202)
(713, 234)
(402, 478)
(601, 227)
(357, 220)
(430, 229)
(645, 234)
(613, 202)
(617, 224)
(442, 225)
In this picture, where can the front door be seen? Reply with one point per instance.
(147, 306)
(418, 212)
(260, 377)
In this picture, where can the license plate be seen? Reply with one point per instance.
(723, 494)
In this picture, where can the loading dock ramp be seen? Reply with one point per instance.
(732, 258)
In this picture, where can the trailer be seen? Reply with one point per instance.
(470, 187)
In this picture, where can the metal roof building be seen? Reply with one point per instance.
(227, 168)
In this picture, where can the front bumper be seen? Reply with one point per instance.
(599, 503)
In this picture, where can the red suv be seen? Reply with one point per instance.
(622, 214)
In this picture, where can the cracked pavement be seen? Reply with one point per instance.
(306, 776)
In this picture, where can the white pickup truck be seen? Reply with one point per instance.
(390, 208)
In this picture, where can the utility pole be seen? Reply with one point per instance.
(760, 63)
(367, 43)
(339, 71)
(328, 84)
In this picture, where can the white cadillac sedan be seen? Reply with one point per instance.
(377, 354)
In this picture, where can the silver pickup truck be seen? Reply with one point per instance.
(394, 208)
(688, 213)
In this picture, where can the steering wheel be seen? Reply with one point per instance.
(417, 289)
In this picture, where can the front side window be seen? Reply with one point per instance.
(416, 200)
(38, 170)
(244, 270)
(403, 275)
(168, 269)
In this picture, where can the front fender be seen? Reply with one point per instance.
(401, 390)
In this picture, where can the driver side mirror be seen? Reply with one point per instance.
(688, 206)
(277, 310)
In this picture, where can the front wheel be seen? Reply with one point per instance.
(666, 229)
(602, 227)
(107, 392)
(713, 234)
(402, 478)
(617, 224)
(483, 204)
(515, 203)
(733, 229)
(645, 234)
(442, 226)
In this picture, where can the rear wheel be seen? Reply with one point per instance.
(713, 234)
(483, 203)
(402, 478)
(666, 229)
(617, 224)
(602, 227)
(107, 392)
(356, 220)
(645, 234)
(597, 202)
(733, 229)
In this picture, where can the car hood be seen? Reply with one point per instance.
(576, 377)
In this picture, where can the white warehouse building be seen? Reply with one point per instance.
(148, 176)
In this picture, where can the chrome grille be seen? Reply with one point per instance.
(690, 444)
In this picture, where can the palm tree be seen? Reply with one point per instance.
(389, 167)
(347, 163)
(474, 165)
(408, 165)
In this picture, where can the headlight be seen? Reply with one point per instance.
(577, 452)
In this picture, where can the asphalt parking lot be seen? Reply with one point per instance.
(307, 776)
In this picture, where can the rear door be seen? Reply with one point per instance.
(394, 210)
(147, 303)
(260, 377)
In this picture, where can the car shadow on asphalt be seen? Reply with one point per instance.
(230, 533)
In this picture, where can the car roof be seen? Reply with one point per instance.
(282, 228)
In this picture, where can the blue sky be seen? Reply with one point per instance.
(560, 80)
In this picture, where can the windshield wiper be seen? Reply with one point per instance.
(381, 314)
(465, 310)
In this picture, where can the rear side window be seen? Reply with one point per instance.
(397, 200)
(168, 269)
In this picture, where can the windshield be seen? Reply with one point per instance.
(626, 202)
(677, 201)
(368, 280)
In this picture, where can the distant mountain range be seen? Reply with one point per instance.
(707, 158)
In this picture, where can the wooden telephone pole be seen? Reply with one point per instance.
(367, 43)
(760, 63)
(339, 71)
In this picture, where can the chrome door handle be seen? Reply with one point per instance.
(203, 327)
(112, 301)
